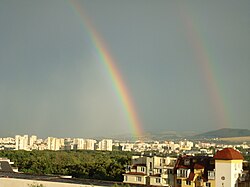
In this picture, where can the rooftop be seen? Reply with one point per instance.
(56, 178)
(228, 154)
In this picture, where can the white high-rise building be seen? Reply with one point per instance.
(22, 142)
(186, 145)
(33, 139)
(54, 144)
(89, 144)
(105, 145)
(79, 142)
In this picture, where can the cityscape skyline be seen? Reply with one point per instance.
(91, 68)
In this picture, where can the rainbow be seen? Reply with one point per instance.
(108, 62)
(205, 62)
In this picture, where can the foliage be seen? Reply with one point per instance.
(81, 164)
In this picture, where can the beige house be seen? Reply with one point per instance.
(152, 170)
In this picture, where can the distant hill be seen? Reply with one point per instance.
(224, 133)
(178, 135)
(169, 135)
(154, 136)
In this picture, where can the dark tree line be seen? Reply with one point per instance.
(81, 164)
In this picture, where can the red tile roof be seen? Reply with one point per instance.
(198, 166)
(228, 154)
(191, 176)
(182, 166)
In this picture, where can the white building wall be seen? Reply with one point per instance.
(80, 143)
(25, 142)
(105, 145)
(90, 144)
(156, 181)
(33, 139)
(133, 179)
(227, 172)
(22, 142)
(17, 139)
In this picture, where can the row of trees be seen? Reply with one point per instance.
(81, 164)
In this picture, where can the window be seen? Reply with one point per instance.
(188, 182)
(170, 171)
(186, 162)
(138, 179)
(208, 184)
(125, 178)
(142, 169)
(150, 166)
(183, 173)
(158, 180)
(179, 181)
(211, 175)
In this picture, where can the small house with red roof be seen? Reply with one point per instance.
(192, 171)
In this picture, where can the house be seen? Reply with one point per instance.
(224, 169)
(150, 171)
(194, 171)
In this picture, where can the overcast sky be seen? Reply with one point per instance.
(185, 63)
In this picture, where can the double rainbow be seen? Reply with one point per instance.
(205, 62)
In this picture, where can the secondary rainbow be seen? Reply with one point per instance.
(205, 62)
(108, 62)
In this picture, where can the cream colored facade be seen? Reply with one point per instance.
(135, 178)
(22, 142)
(32, 141)
(79, 142)
(89, 144)
(196, 181)
(105, 145)
(154, 171)
(227, 172)
(55, 144)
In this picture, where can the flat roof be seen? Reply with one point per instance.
(56, 178)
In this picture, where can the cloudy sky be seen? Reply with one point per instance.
(185, 65)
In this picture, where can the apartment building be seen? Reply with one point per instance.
(89, 144)
(150, 170)
(105, 145)
(22, 142)
(32, 140)
(7, 143)
(79, 143)
(54, 144)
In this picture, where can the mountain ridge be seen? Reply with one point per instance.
(178, 135)
(223, 133)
